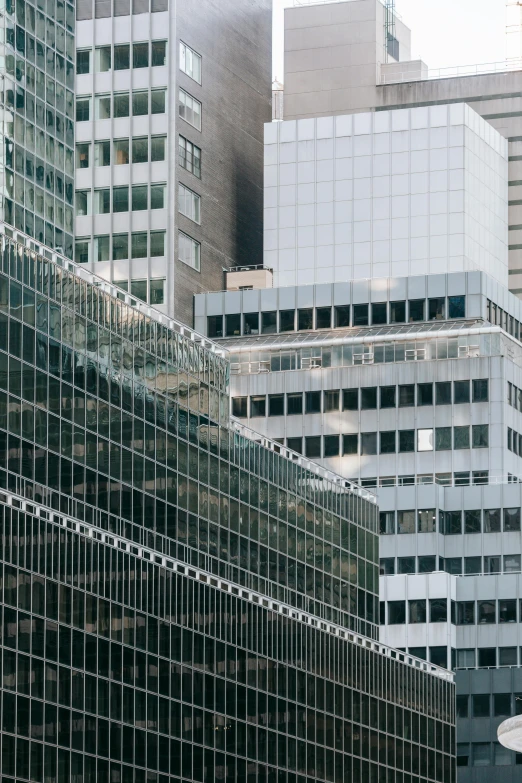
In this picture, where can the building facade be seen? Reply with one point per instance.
(170, 106)
(181, 600)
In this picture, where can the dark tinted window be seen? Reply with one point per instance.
(438, 610)
(368, 397)
(350, 399)
(251, 323)
(323, 318)
(239, 407)
(269, 323)
(426, 564)
(387, 396)
(233, 325)
(416, 309)
(286, 320)
(407, 395)
(397, 312)
(215, 326)
(258, 406)
(305, 319)
(456, 306)
(424, 394)
(350, 445)
(396, 612)
(443, 393)
(460, 392)
(296, 444)
(388, 442)
(313, 447)
(406, 440)
(437, 309)
(276, 404)
(360, 315)
(368, 443)
(342, 316)
(331, 400)
(331, 445)
(466, 613)
(313, 402)
(294, 404)
(480, 390)
(379, 314)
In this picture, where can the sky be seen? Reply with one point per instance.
(444, 32)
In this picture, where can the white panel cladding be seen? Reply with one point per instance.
(385, 194)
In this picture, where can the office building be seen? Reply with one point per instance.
(170, 106)
(181, 598)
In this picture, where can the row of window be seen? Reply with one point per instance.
(498, 316)
(137, 103)
(426, 564)
(136, 150)
(514, 442)
(486, 657)
(514, 396)
(435, 610)
(485, 754)
(142, 244)
(308, 318)
(151, 291)
(450, 522)
(488, 705)
(135, 198)
(120, 56)
(363, 398)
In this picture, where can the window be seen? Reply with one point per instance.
(443, 393)
(121, 104)
(258, 405)
(120, 246)
(251, 323)
(102, 59)
(425, 440)
(189, 109)
(418, 652)
(159, 53)
(492, 520)
(406, 396)
(426, 564)
(406, 441)
(331, 400)
(397, 312)
(492, 564)
(121, 152)
(406, 565)
(121, 57)
(462, 747)
(313, 402)
(139, 244)
(460, 392)
(453, 523)
(456, 306)
(511, 564)
(387, 396)
(140, 200)
(368, 443)
(189, 156)
(442, 438)
(102, 201)
(342, 316)
(189, 203)
(286, 320)
(472, 521)
(331, 445)
(83, 61)
(157, 196)
(140, 103)
(396, 612)
(313, 447)
(295, 444)
(82, 251)
(439, 656)
(350, 399)
(480, 436)
(486, 612)
(387, 442)
(406, 521)
(480, 705)
(83, 202)
(294, 404)
(240, 407)
(466, 659)
(83, 109)
(462, 707)
(480, 388)
(473, 565)
(416, 310)
(102, 153)
(386, 568)
(437, 309)
(82, 156)
(323, 318)
(417, 611)
(360, 315)
(487, 657)
(387, 523)
(157, 148)
(189, 251)
(232, 325)
(424, 394)
(120, 199)
(157, 291)
(466, 613)
(101, 248)
(269, 323)
(305, 319)
(438, 610)
(157, 101)
(507, 610)
(139, 289)
(276, 404)
(368, 397)
(512, 519)
(190, 62)
(350, 444)
(140, 149)
(140, 55)
(157, 244)
(379, 313)
(102, 107)
(426, 520)
(461, 438)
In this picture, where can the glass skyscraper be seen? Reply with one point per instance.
(37, 102)
(180, 599)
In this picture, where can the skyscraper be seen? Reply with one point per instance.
(170, 105)
(180, 599)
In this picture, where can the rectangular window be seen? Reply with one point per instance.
(406, 521)
(426, 564)
(507, 610)
(102, 59)
(82, 156)
(480, 705)
(466, 613)
(83, 109)
(139, 289)
(295, 444)
(276, 404)
(460, 392)
(157, 101)
(480, 388)
(121, 57)
(140, 103)
(305, 319)
(189, 109)
(189, 251)
(190, 62)
(466, 659)
(350, 399)
(269, 322)
(140, 55)
(379, 313)
(443, 438)
(82, 203)
(453, 523)
(120, 246)
(426, 520)
(387, 396)
(472, 521)
(101, 248)
(406, 441)
(511, 564)
(443, 393)
(438, 610)
(294, 404)
(102, 107)
(331, 445)
(121, 104)
(121, 152)
(313, 447)
(487, 657)
(416, 310)
(387, 445)
(368, 397)
(157, 148)
(233, 325)
(437, 309)
(157, 196)
(397, 312)
(189, 156)
(139, 244)
(102, 201)
(240, 407)
(158, 53)
(331, 400)
(368, 443)
(480, 436)
(83, 61)
(350, 444)
(120, 199)
(424, 394)
(189, 203)
(472, 565)
(462, 708)
(323, 318)
(486, 612)
(82, 249)
(492, 520)
(140, 149)
(461, 438)
(386, 568)
(407, 395)
(406, 565)
(140, 200)
(157, 244)
(396, 612)
(387, 523)
(251, 323)
(258, 406)
(492, 564)
(342, 316)
(287, 320)
(157, 291)
(425, 440)
(360, 315)
(456, 306)
(313, 402)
